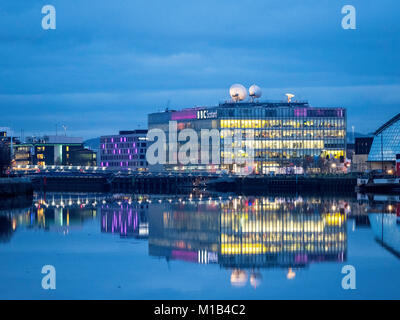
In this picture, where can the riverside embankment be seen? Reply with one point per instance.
(337, 184)
(14, 187)
(169, 183)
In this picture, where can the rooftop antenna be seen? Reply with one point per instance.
(237, 92)
(255, 92)
(289, 97)
(65, 129)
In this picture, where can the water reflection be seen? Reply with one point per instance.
(6, 228)
(52, 212)
(127, 219)
(248, 234)
(244, 235)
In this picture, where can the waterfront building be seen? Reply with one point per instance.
(83, 157)
(124, 151)
(286, 136)
(360, 157)
(53, 150)
(386, 146)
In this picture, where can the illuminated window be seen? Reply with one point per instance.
(40, 156)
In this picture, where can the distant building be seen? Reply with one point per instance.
(125, 151)
(363, 145)
(53, 150)
(7, 138)
(83, 157)
(360, 157)
(386, 146)
(350, 150)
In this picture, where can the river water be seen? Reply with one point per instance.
(106, 246)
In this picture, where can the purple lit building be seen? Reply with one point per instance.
(125, 151)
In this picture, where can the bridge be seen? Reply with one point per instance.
(99, 179)
(106, 181)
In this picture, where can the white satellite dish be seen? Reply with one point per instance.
(255, 92)
(289, 97)
(238, 92)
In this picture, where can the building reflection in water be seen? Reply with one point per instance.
(248, 234)
(384, 217)
(125, 218)
(242, 234)
(54, 212)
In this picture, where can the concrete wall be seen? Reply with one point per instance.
(10, 187)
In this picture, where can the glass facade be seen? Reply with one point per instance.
(386, 142)
(282, 135)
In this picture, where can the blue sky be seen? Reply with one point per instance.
(109, 63)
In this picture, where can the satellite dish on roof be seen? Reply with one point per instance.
(255, 92)
(238, 92)
(289, 97)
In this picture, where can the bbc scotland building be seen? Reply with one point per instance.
(286, 134)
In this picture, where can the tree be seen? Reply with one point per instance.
(5, 158)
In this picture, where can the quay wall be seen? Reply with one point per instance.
(174, 184)
(13, 187)
(339, 184)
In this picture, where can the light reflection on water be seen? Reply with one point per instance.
(244, 236)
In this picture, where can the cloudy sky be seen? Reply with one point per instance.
(109, 63)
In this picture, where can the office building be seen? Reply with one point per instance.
(7, 139)
(53, 150)
(286, 136)
(125, 151)
(83, 157)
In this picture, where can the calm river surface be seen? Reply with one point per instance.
(171, 247)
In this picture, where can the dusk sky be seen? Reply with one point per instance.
(109, 63)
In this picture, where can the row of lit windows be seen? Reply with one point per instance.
(123, 151)
(277, 134)
(258, 248)
(124, 164)
(121, 157)
(320, 123)
(123, 145)
(286, 154)
(121, 139)
(280, 144)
